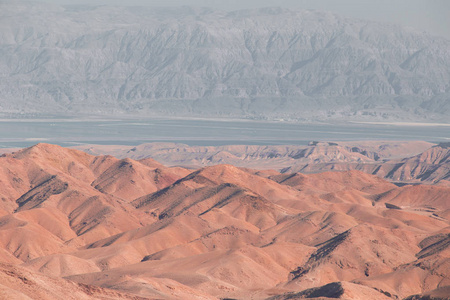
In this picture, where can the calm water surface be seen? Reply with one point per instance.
(69, 132)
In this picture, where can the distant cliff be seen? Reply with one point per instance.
(266, 63)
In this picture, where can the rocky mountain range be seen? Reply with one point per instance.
(78, 226)
(399, 162)
(261, 64)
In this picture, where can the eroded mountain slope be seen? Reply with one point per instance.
(150, 231)
(265, 63)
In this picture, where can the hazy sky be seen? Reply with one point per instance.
(427, 15)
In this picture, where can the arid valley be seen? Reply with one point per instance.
(80, 226)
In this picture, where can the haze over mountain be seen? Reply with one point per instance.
(400, 162)
(264, 63)
(77, 226)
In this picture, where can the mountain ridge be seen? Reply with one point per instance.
(402, 162)
(260, 64)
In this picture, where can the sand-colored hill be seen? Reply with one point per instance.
(427, 273)
(129, 179)
(361, 251)
(336, 290)
(442, 293)
(431, 166)
(252, 155)
(396, 161)
(60, 186)
(399, 161)
(21, 283)
(112, 228)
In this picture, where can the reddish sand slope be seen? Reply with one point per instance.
(96, 227)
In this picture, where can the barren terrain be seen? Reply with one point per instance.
(397, 161)
(79, 226)
(260, 64)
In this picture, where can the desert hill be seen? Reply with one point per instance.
(399, 162)
(21, 283)
(116, 228)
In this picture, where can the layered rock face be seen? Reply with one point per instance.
(399, 162)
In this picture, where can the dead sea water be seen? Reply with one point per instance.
(69, 132)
